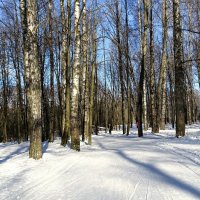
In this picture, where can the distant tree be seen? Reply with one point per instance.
(92, 94)
(52, 114)
(141, 91)
(162, 79)
(154, 107)
(67, 132)
(4, 75)
(120, 62)
(84, 42)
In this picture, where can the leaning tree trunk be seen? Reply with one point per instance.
(34, 85)
(75, 139)
(179, 71)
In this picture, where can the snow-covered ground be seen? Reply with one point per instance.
(155, 167)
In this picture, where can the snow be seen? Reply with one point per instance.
(115, 167)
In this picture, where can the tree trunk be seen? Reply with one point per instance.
(189, 69)
(34, 85)
(92, 90)
(75, 138)
(24, 24)
(163, 82)
(171, 85)
(52, 115)
(67, 131)
(4, 72)
(120, 62)
(144, 54)
(84, 66)
(143, 41)
(179, 71)
(16, 65)
(127, 72)
(144, 100)
(63, 64)
(198, 45)
(154, 113)
(105, 85)
(87, 90)
(96, 98)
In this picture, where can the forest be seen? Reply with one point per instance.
(74, 68)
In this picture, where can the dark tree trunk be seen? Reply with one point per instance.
(179, 71)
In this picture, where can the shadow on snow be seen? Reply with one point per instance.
(154, 170)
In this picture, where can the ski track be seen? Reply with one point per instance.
(115, 167)
(40, 185)
(193, 159)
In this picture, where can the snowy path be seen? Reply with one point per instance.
(115, 167)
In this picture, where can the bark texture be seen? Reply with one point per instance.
(179, 72)
(163, 74)
(34, 85)
(75, 138)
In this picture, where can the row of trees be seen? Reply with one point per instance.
(70, 67)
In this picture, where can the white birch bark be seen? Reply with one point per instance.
(75, 139)
(34, 86)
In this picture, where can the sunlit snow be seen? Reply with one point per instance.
(115, 167)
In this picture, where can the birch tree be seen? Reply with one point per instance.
(34, 84)
(63, 64)
(75, 138)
